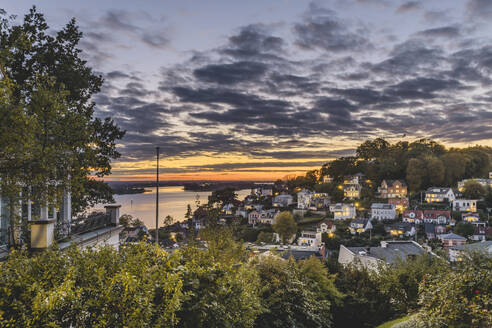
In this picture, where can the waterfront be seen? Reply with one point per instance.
(172, 201)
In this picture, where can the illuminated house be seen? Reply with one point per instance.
(360, 225)
(470, 217)
(304, 199)
(400, 204)
(393, 189)
(465, 205)
(381, 211)
(437, 216)
(439, 195)
(327, 179)
(343, 211)
(320, 200)
(351, 190)
(313, 238)
(401, 229)
(413, 216)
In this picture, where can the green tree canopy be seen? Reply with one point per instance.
(473, 190)
(285, 225)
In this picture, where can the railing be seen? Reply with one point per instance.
(90, 223)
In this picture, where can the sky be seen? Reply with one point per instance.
(257, 90)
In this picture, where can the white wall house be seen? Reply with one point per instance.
(382, 211)
(282, 200)
(343, 211)
(304, 199)
(439, 195)
(465, 205)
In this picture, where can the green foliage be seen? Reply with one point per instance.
(291, 295)
(464, 229)
(401, 282)
(264, 237)
(52, 140)
(285, 225)
(473, 190)
(363, 304)
(222, 196)
(458, 297)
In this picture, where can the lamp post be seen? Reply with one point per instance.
(157, 199)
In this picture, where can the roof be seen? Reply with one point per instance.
(431, 227)
(433, 214)
(392, 252)
(451, 236)
(361, 221)
(382, 206)
(438, 190)
(480, 246)
(392, 182)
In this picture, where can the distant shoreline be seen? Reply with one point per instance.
(130, 188)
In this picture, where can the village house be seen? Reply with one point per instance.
(432, 230)
(484, 182)
(470, 217)
(400, 204)
(456, 253)
(437, 216)
(451, 239)
(314, 238)
(482, 232)
(262, 191)
(381, 211)
(413, 216)
(390, 252)
(282, 200)
(343, 211)
(392, 189)
(327, 179)
(465, 205)
(354, 179)
(351, 190)
(263, 216)
(360, 225)
(320, 200)
(439, 195)
(304, 199)
(401, 229)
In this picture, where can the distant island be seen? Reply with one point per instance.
(139, 187)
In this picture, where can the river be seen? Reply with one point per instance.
(172, 201)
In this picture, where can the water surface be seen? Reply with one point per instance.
(172, 201)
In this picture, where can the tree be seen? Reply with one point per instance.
(435, 170)
(264, 237)
(64, 144)
(189, 212)
(290, 298)
(222, 196)
(464, 229)
(285, 225)
(414, 174)
(168, 220)
(473, 190)
(372, 149)
(458, 297)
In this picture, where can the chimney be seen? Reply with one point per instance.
(384, 244)
(43, 230)
(114, 213)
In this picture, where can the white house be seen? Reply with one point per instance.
(360, 225)
(351, 190)
(456, 253)
(343, 211)
(382, 211)
(390, 252)
(304, 199)
(283, 200)
(465, 205)
(314, 238)
(484, 182)
(439, 195)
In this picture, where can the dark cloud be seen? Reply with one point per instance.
(241, 71)
(322, 29)
(445, 32)
(408, 6)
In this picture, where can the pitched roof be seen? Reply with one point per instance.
(392, 252)
(451, 236)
